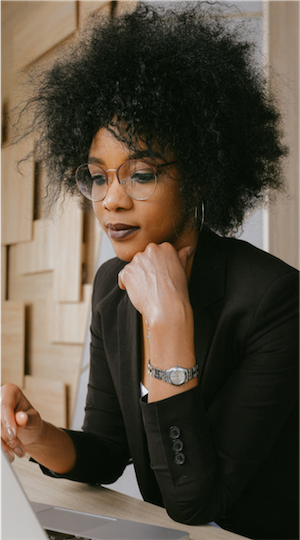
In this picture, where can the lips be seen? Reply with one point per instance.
(120, 231)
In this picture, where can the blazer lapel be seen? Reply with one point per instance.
(129, 353)
(207, 287)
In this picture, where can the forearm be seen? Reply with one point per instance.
(172, 344)
(54, 449)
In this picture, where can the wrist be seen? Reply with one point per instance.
(176, 375)
(175, 315)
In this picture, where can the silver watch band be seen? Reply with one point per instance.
(176, 375)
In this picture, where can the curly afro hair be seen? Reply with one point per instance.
(177, 77)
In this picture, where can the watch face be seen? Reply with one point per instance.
(177, 376)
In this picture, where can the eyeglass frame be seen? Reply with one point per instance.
(153, 167)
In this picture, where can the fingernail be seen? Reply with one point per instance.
(19, 452)
(10, 432)
(10, 457)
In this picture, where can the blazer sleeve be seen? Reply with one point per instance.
(220, 449)
(101, 447)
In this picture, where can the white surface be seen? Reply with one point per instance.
(18, 521)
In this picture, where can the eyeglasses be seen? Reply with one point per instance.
(138, 179)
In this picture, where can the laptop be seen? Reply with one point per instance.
(24, 520)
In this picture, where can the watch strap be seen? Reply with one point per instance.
(176, 375)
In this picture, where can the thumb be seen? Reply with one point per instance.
(21, 418)
(184, 253)
(120, 281)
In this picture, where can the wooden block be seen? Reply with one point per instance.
(37, 255)
(68, 253)
(87, 7)
(125, 6)
(3, 272)
(70, 320)
(92, 240)
(39, 26)
(283, 40)
(13, 342)
(49, 398)
(17, 193)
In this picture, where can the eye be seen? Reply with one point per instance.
(98, 179)
(143, 176)
(96, 175)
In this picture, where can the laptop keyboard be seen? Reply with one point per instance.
(53, 535)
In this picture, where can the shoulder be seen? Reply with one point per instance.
(238, 271)
(254, 276)
(242, 257)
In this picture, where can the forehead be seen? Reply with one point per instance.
(108, 142)
(105, 142)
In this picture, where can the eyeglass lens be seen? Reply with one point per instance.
(137, 178)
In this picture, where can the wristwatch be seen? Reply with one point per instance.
(176, 375)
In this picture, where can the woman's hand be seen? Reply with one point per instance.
(157, 285)
(23, 430)
(21, 424)
(156, 281)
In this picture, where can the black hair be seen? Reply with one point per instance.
(177, 77)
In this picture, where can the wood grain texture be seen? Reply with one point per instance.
(92, 234)
(17, 193)
(283, 45)
(37, 255)
(100, 500)
(125, 6)
(68, 252)
(49, 398)
(3, 273)
(70, 319)
(39, 26)
(87, 8)
(13, 342)
(45, 360)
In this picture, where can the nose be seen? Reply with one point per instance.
(115, 197)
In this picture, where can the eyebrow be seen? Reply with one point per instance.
(138, 154)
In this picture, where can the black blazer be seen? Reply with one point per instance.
(226, 451)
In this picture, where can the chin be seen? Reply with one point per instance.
(124, 254)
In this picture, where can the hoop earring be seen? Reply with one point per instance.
(202, 217)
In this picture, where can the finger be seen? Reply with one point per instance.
(12, 444)
(8, 452)
(120, 281)
(8, 425)
(184, 254)
(21, 418)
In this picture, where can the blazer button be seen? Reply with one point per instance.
(179, 458)
(174, 432)
(177, 445)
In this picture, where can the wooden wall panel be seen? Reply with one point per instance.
(68, 253)
(17, 194)
(49, 398)
(37, 255)
(125, 6)
(3, 272)
(70, 319)
(44, 359)
(13, 342)
(51, 263)
(87, 8)
(40, 26)
(92, 234)
(283, 45)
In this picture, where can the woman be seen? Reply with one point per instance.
(161, 120)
